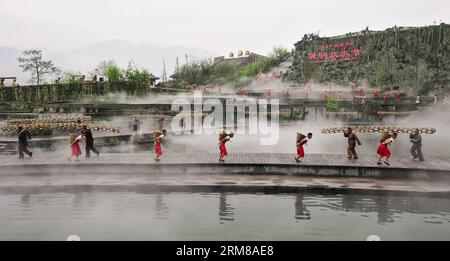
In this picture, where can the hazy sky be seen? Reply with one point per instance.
(218, 26)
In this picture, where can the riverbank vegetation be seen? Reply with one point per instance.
(203, 72)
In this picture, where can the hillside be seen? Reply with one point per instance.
(412, 58)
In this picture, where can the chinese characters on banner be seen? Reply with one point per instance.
(335, 52)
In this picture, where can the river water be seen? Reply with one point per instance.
(221, 216)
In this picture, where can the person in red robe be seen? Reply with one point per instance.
(375, 94)
(383, 150)
(75, 146)
(386, 98)
(222, 148)
(287, 93)
(361, 92)
(300, 150)
(157, 142)
(306, 93)
(241, 91)
(325, 96)
(397, 96)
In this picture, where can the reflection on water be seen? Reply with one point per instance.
(385, 214)
(301, 212)
(225, 209)
(197, 216)
(161, 210)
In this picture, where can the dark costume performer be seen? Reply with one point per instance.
(416, 149)
(23, 134)
(135, 125)
(352, 140)
(87, 133)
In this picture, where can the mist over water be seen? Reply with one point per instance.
(436, 116)
(433, 144)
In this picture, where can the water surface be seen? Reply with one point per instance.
(221, 216)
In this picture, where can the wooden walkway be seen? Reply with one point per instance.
(256, 163)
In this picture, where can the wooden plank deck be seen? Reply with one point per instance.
(193, 158)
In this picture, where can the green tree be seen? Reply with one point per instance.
(196, 72)
(32, 61)
(114, 74)
(280, 53)
(137, 78)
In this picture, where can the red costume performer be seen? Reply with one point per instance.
(75, 146)
(76, 150)
(361, 92)
(302, 140)
(158, 149)
(222, 147)
(300, 151)
(383, 150)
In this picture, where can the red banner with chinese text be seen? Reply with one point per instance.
(334, 52)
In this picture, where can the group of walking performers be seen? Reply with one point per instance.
(224, 137)
(85, 134)
(383, 151)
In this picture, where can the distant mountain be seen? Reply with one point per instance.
(149, 56)
(82, 60)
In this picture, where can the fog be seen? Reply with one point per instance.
(436, 116)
